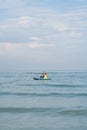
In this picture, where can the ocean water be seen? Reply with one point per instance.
(56, 104)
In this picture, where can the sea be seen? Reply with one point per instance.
(56, 104)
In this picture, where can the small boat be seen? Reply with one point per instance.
(40, 79)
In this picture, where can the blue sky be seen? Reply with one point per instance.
(43, 35)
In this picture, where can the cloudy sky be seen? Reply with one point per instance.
(43, 35)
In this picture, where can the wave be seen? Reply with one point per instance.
(24, 110)
(43, 110)
(40, 83)
(47, 84)
(54, 94)
(77, 112)
(63, 85)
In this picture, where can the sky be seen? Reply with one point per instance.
(43, 35)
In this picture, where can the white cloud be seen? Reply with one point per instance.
(14, 47)
(24, 20)
(2, 27)
(35, 39)
(75, 34)
(9, 47)
(40, 27)
(18, 21)
(60, 27)
(38, 45)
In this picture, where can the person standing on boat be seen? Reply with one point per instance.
(44, 75)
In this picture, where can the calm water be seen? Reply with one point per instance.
(57, 104)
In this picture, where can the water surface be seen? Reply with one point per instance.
(56, 104)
